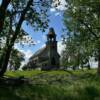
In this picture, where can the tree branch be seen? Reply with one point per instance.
(93, 33)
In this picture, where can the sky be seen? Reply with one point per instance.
(40, 37)
(56, 21)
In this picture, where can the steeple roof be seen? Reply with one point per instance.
(51, 31)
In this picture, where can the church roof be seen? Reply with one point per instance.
(39, 52)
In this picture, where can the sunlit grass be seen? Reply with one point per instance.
(36, 72)
(23, 73)
(54, 85)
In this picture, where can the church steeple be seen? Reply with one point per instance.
(51, 40)
(51, 36)
(51, 46)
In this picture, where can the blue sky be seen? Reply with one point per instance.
(40, 37)
(56, 21)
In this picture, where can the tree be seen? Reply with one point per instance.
(3, 12)
(35, 13)
(82, 19)
(75, 54)
(15, 59)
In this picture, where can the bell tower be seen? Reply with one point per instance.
(51, 36)
(51, 45)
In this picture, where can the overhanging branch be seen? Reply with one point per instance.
(93, 33)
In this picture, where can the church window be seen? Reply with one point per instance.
(53, 62)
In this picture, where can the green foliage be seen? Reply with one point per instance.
(82, 22)
(33, 13)
(16, 58)
(54, 85)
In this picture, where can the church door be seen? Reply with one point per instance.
(53, 62)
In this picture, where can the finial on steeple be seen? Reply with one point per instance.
(51, 35)
(51, 31)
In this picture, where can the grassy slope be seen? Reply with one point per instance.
(54, 85)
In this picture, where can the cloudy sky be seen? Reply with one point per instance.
(40, 37)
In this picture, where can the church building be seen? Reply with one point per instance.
(46, 58)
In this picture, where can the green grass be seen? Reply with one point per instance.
(27, 74)
(54, 85)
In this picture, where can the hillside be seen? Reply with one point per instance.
(53, 85)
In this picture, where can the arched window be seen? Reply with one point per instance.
(53, 62)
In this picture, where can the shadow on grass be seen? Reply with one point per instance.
(84, 87)
(47, 92)
(31, 92)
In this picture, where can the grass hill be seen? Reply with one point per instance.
(53, 85)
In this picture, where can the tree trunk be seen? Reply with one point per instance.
(98, 69)
(88, 65)
(5, 62)
(7, 52)
(74, 68)
(3, 8)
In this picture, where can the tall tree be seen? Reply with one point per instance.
(16, 59)
(3, 11)
(76, 53)
(35, 13)
(82, 19)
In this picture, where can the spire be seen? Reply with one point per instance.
(51, 35)
(51, 31)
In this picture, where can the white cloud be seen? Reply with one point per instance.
(62, 5)
(38, 42)
(61, 47)
(57, 14)
(28, 54)
(52, 9)
(43, 45)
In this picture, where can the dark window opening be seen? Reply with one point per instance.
(53, 62)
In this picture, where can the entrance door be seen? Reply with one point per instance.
(53, 62)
